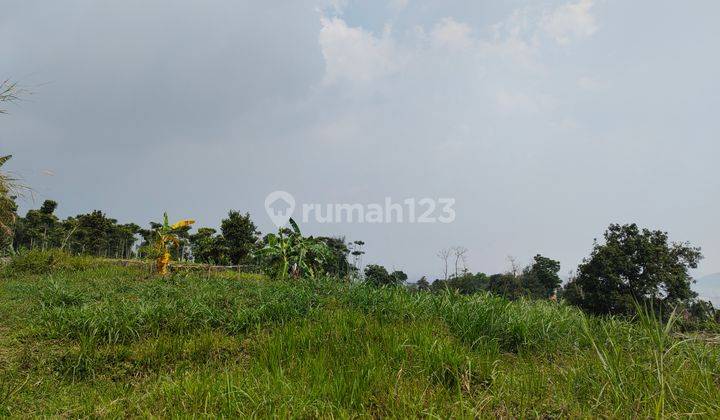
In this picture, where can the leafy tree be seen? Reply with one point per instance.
(540, 279)
(468, 283)
(207, 247)
(398, 277)
(92, 234)
(423, 285)
(40, 228)
(377, 275)
(508, 285)
(337, 263)
(438, 285)
(240, 235)
(633, 265)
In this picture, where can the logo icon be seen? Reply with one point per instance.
(279, 205)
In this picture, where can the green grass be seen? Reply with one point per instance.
(82, 338)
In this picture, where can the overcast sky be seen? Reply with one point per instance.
(545, 120)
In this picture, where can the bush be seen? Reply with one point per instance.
(43, 262)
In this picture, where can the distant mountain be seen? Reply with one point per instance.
(708, 288)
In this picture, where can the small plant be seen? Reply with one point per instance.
(290, 253)
(166, 235)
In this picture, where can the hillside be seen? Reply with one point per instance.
(87, 339)
(708, 287)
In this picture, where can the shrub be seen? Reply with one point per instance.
(43, 262)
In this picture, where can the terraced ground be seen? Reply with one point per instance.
(82, 338)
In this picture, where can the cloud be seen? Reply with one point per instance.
(570, 22)
(449, 33)
(355, 54)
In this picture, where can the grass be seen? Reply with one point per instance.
(82, 338)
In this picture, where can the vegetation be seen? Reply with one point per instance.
(289, 253)
(166, 235)
(82, 338)
(378, 276)
(89, 234)
(538, 280)
(240, 236)
(634, 266)
(8, 208)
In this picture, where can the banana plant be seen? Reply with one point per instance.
(289, 253)
(167, 235)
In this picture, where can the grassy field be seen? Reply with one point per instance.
(79, 338)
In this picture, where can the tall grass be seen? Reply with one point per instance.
(97, 340)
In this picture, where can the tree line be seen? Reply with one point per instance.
(632, 267)
(237, 242)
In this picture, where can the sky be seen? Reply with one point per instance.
(545, 120)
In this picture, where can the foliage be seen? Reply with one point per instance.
(290, 253)
(337, 263)
(240, 236)
(9, 92)
(89, 234)
(232, 346)
(466, 284)
(423, 285)
(378, 276)
(42, 262)
(8, 208)
(207, 247)
(634, 266)
(541, 278)
(538, 280)
(166, 235)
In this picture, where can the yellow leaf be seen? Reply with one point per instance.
(182, 224)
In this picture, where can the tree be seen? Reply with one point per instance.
(459, 253)
(96, 234)
(337, 263)
(468, 283)
(444, 255)
(540, 279)
(377, 275)
(633, 265)
(438, 285)
(423, 285)
(398, 277)
(40, 228)
(240, 235)
(507, 285)
(209, 248)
